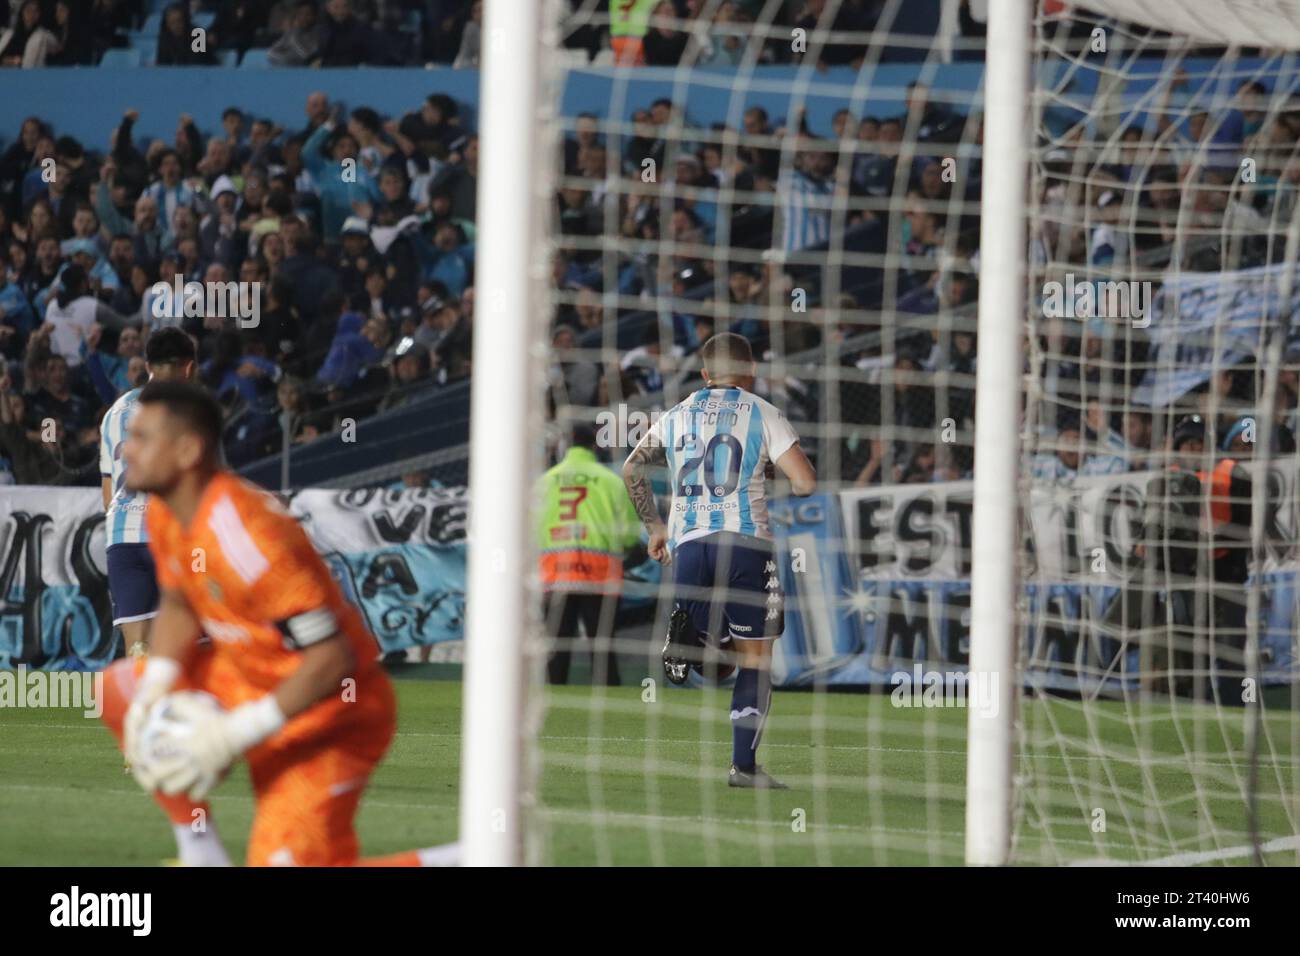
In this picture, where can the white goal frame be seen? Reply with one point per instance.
(505, 420)
(1003, 275)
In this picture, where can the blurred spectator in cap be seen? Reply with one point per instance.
(437, 314)
(99, 273)
(446, 333)
(410, 373)
(219, 237)
(71, 158)
(355, 226)
(1240, 440)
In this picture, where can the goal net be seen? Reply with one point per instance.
(1158, 469)
(809, 175)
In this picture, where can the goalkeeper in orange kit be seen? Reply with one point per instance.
(289, 659)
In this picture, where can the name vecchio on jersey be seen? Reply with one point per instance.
(722, 414)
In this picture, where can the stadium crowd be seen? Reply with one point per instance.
(745, 217)
(363, 284)
(328, 33)
(333, 33)
(854, 244)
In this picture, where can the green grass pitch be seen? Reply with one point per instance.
(628, 781)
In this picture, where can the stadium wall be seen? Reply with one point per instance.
(433, 425)
(87, 103)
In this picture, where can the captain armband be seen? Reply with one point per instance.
(310, 627)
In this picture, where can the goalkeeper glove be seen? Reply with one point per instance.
(216, 742)
(160, 673)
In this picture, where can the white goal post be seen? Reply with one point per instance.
(1012, 70)
(995, 543)
(838, 191)
(504, 421)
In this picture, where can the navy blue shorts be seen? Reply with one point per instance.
(728, 584)
(132, 583)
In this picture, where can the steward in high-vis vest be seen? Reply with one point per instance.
(1214, 504)
(1196, 548)
(629, 21)
(588, 524)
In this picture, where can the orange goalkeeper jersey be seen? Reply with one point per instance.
(261, 593)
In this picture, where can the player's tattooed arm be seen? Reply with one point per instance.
(636, 476)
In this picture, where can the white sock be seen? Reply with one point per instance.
(446, 855)
(201, 848)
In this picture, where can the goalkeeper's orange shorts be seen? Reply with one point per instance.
(308, 779)
(308, 793)
(308, 787)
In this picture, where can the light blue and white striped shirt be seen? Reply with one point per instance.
(124, 520)
(718, 443)
(169, 200)
(1111, 459)
(806, 208)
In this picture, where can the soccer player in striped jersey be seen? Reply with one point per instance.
(169, 356)
(718, 446)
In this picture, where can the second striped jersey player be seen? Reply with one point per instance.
(123, 509)
(132, 584)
